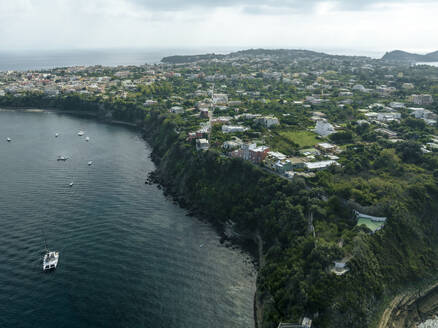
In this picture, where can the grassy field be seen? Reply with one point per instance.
(302, 138)
(373, 226)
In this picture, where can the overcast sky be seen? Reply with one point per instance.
(375, 25)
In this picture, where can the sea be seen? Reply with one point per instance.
(23, 60)
(428, 63)
(129, 256)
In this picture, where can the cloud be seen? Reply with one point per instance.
(268, 6)
(316, 24)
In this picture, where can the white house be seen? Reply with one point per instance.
(424, 99)
(233, 128)
(150, 102)
(177, 110)
(268, 121)
(202, 144)
(323, 128)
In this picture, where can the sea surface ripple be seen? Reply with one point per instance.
(129, 257)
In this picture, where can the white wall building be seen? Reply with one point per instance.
(323, 128)
(233, 128)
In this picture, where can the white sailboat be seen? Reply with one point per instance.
(87, 138)
(50, 260)
(8, 139)
(80, 133)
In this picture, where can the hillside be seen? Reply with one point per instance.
(289, 54)
(399, 55)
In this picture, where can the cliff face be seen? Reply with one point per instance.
(273, 212)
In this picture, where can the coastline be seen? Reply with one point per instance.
(255, 250)
(68, 112)
(410, 308)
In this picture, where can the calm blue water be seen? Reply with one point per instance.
(38, 60)
(129, 257)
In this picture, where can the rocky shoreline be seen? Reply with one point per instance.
(412, 309)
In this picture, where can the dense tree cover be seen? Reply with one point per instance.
(380, 177)
(296, 279)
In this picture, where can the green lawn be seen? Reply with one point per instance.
(373, 226)
(302, 138)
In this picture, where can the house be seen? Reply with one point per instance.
(258, 154)
(297, 162)
(423, 99)
(340, 268)
(396, 105)
(250, 152)
(233, 128)
(283, 166)
(317, 166)
(231, 144)
(326, 147)
(390, 134)
(202, 144)
(407, 86)
(177, 110)
(272, 158)
(150, 102)
(220, 99)
(385, 91)
(323, 128)
(268, 121)
(388, 117)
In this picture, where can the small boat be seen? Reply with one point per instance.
(81, 133)
(70, 184)
(50, 260)
(90, 163)
(202, 245)
(8, 139)
(87, 138)
(56, 135)
(62, 158)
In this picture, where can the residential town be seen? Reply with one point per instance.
(328, 160)
(292, 115)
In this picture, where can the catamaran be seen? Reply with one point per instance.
(50, 260)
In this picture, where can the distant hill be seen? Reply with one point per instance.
(399, 55)
(279, 53)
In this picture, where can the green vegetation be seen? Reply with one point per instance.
(373, 226)
(388, 167)
(303, 139)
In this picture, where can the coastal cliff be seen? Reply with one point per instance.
(271, 216)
